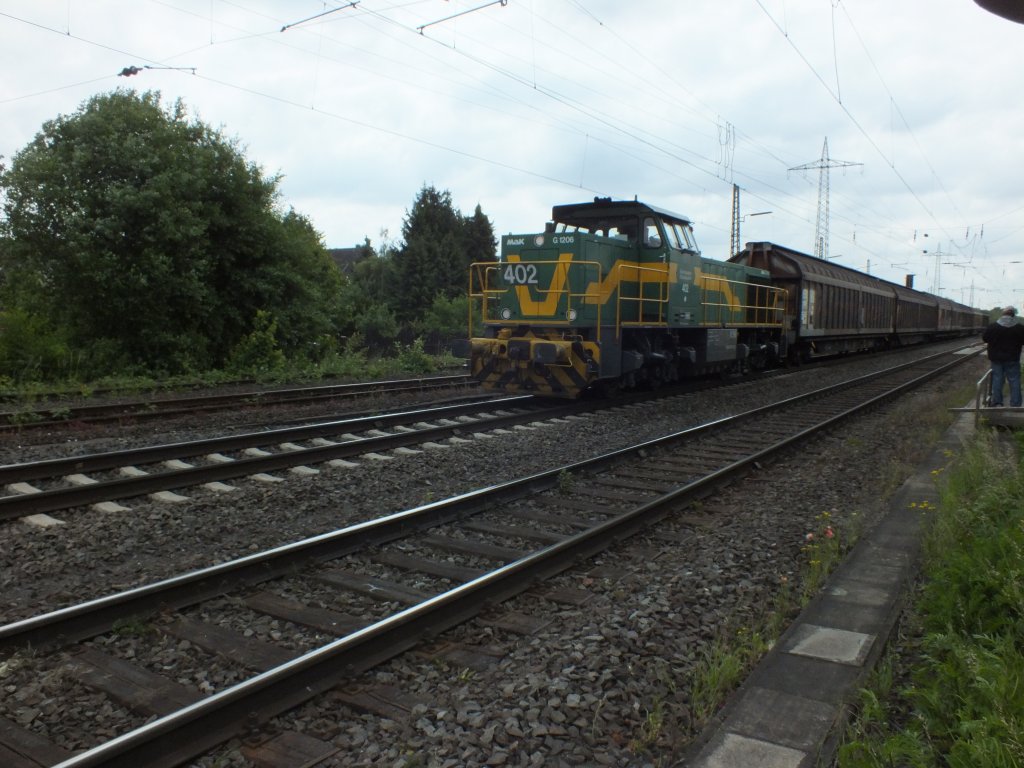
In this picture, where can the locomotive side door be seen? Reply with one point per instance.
(684, 307)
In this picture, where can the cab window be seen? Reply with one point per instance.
(685, 235)
(624, 229)
(670, 233)
(652, 235)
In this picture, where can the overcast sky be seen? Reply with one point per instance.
(522, 105)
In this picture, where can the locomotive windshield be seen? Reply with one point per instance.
(683, 233)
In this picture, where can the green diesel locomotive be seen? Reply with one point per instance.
(616, 294)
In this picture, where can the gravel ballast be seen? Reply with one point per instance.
(602, 684)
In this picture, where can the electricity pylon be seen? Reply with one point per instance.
(821, 227)
(734, 239)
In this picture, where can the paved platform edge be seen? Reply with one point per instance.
(791, 710)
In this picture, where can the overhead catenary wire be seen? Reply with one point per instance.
(294, 24)
(588, 132)
(654, 140)
(939, 225)
(421, 27)
(353, 121)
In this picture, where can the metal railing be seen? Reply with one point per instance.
(719, 296)
(1011, 416)
(484, 277)
(642, 276)
(768, 307)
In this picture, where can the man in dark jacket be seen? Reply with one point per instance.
(1004, 338)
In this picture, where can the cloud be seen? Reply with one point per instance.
(528, 105)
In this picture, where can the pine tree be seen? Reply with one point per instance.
(430, 262)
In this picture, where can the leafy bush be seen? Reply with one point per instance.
(412, 358)
(445, 320)
(258, 352)
(148, 235)
(377, 327)
(31, 350)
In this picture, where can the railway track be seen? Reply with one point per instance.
(57, 415)
(407, 576)
(43, 487)
(36, 489)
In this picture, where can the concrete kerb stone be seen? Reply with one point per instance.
(791, 710)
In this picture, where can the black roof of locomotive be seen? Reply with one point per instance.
(603, 207)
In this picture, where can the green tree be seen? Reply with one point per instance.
(374, 278)
(139, 231)
(439, 245)
(259, 351)
(445, 320)
(30, 350)
(430, 260)
(479, 243)
(368, 299)
(377, 326)
(301, 285)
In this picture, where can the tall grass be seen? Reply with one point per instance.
(348, 364)
(961, 701)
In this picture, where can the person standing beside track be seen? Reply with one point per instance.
(1005, 337)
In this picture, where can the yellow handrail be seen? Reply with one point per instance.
(659, 275)
(487, 273)
(766, 305)
(767, 308)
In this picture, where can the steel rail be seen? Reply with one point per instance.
(161, 408)
(154, 408)
(177, 737)
(46, 468)
(15, 506)
(19, 505)
(26, 471)
(93, 617)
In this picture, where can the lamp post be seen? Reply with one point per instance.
(744, 218)
(962, 266)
